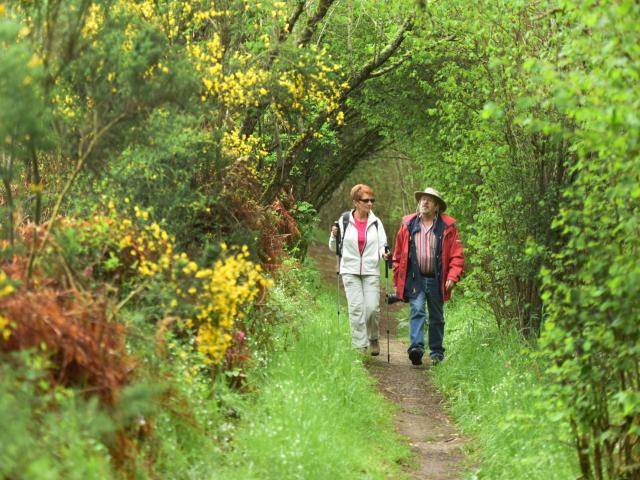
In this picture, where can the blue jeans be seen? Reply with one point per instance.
(428, 296)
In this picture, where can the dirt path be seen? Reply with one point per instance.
(420, 416)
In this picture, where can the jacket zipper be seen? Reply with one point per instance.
(364, 247)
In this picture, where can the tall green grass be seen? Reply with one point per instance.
(316, 414)
(494, 386)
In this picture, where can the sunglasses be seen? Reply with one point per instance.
(368, 200)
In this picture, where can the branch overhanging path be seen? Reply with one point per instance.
(365, 73)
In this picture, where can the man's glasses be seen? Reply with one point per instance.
(368, 200)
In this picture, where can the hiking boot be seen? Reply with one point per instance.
(415, 355)
(436, 359)
(374, 347)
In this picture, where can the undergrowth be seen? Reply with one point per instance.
(494, 385)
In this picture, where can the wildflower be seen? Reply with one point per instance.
(5, 332)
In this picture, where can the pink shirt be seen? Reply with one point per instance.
(361, 226)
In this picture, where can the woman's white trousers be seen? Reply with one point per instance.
(363, 299)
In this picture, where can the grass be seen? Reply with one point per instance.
(317, 413)
(495, 391)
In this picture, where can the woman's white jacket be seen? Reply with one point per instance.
(375, 242)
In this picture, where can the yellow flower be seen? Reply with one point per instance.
(5, 332)
(35, 60)
(24, 31)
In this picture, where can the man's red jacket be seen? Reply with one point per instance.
(451, 252)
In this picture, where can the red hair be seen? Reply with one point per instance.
(359, 190)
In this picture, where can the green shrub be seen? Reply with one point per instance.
(592, 286)
(49, 432)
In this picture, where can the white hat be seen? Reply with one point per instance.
(434, 193)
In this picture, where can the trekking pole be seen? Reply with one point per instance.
(386, 276)
(339, 255)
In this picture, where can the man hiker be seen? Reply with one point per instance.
(427, 263)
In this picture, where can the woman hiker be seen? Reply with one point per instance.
(362, 243)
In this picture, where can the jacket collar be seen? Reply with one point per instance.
(370, 220)
(412, 221)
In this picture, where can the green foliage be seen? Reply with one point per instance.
(186, 418)
(21, 106)
(306, 218)
(533, 134)
(23, 119)
(53, 432)
(593, 284)
(162, 169)
(496, 389)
